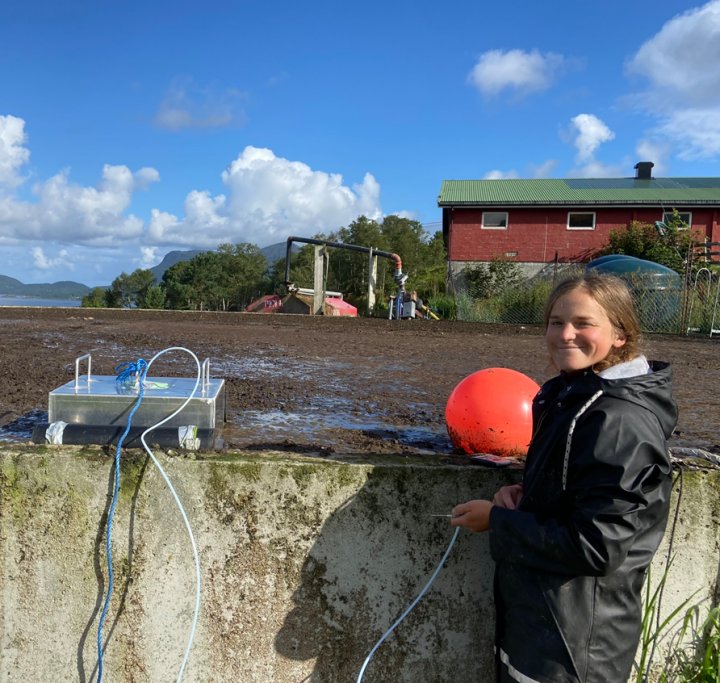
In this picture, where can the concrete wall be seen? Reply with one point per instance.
(305, 564)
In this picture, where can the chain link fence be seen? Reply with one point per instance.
(506, 296)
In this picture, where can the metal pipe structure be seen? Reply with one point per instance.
(398, 275)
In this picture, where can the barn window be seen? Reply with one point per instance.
(581, 220)
(684, 216)
(495, 220)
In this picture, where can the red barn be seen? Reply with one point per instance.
(535, 222)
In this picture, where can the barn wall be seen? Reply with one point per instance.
(538, 235)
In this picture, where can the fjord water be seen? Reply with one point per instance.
(32, 301)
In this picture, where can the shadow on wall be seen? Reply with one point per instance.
(372, 557)
(122, 583)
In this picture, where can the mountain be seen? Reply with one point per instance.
(272, 253)
(275, 252)
(9, 285)
(171, 258)
(64, 289)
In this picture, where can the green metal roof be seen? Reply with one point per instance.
(587, 191)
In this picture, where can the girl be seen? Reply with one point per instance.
(572, 542)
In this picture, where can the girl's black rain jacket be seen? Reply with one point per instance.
(572, 558)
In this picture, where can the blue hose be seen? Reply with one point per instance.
(131, 377)
(129, 372)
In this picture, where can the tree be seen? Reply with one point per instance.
(667, 243)
(177, 283)
(195, 284)
(95, 298)
(430, 273)
(216, 280)
(245, 268)
(154, 297)
(233, 275)
(128, 291)
(485, 280)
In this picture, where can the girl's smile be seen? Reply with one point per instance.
(579, 332)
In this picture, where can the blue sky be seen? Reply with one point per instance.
(131, 129)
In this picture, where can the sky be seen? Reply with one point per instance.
(131, 129)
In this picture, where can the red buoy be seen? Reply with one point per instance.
(490, 411)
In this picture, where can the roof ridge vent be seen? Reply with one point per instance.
(643, 170)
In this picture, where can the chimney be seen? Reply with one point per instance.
(643, 170)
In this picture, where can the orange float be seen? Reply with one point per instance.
(490, 411)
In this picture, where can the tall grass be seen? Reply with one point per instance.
(691, 649)
(670, 309)
(654, 628)
(702, 663)
(520, 305)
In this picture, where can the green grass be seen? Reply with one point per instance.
(701, 663)
(693, 650)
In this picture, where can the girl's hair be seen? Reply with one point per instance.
(613, 296)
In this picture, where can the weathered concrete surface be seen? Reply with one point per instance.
(305, 564)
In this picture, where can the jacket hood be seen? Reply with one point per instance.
(652, 391)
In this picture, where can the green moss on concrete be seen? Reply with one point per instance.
(220, 473)
(23, 485)
(10, 489)
(227, 502)
(132, 471)
(341, 476)
(698, 493)
(251, 471)
(30, 488)
(304, 475)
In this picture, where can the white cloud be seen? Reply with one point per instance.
(65, 212)
(410, 215)
(683, 56)
(544, 170)
(187, 104)
(680, 64)
(591, 133)
(42, 262)
(148, 257)
(90, 215)
(146, 177)
(696, 132)
(598, 169)
(13, 153)
(268, 199)
(515, 70)
(651, 150)
(496, 174)
(586, 132)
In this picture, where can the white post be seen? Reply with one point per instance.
(372, 282)
(319, 284)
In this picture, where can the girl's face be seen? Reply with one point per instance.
(579, 332)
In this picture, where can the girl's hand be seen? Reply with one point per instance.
(473, 515)
(508, 497)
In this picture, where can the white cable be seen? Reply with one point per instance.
(177, 499)
(411, 607)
